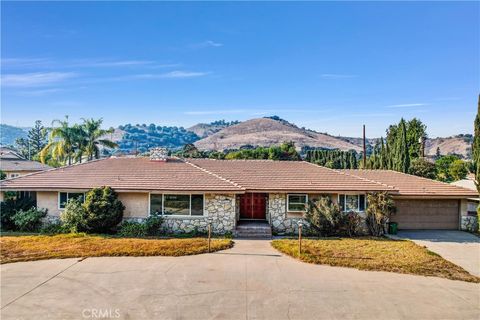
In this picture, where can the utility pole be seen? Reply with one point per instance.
(364, 149)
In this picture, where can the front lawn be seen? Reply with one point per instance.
(37, 247)
(377, 254)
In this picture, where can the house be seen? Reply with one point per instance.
(191, 193)
(15, 165)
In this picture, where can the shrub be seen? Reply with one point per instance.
(133, 229)
(53, 228)
(103, 210)
(380, 208)
(10, 206)
(351, 223)
(74, 216)
(324, 217)
(29, 220)
(153, 224)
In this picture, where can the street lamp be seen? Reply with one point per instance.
(300, 224)
(209, 219)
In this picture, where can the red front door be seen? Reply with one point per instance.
(253, 205)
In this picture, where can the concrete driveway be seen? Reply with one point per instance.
(250, 281)
(461, 248)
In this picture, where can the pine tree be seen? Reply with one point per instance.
(37, 137)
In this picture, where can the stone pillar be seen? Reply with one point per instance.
(468, 215)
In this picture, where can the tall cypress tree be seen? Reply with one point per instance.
(476, 147)
(402, 157)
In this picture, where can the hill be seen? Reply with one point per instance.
(460, 144)
(204, 130)
(8, 134)
(270, 131)
(140, 138)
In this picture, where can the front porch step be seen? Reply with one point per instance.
(253, 230)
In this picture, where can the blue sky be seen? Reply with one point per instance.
(327, 66)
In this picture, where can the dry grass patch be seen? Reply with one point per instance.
(376, 255)
(28, 248)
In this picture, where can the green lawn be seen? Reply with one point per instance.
(38, 247)
(377, 254)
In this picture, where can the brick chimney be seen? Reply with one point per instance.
(158, 154)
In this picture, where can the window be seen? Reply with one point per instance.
(472, 209)
(297, 202)
(177, 204)
(63, 198)
(351, 202)
(156, 203)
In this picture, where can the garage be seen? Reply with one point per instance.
(427, 214)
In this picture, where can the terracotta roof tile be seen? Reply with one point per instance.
(124, 174)
(409, 185)
(271, 175)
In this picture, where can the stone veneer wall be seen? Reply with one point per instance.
(277, 209)
(219, 207)
(467, 222)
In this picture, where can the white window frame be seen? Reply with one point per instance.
(58, 198)
(296, 194)
(358, 202)
(177, 215)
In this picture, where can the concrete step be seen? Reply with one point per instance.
(256, 233)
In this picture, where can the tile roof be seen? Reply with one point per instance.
(409, 185)
(269, 175)
(124, 174)
(21, 165)
(207, 175)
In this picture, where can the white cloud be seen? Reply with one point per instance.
(177, 74)
(35, 79)
(407, 105)
(338, 76)
(207, 44)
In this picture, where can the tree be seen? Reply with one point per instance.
(380, 208)
(458, 170)
(442, 165)
(402, 157)
(3, 175)
(61, 143)
(476, 148)
(416, 132)
(104, 211)
(37, 137)
(31, 146)
(423, 168)
(94, 138)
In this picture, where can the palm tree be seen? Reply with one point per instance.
(94, 138)
(61, 142)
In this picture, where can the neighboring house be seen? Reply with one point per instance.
(190, 193)
(14, 165)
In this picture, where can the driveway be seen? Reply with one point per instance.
(461, 248)
(250, 281)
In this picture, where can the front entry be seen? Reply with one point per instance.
(253, 206)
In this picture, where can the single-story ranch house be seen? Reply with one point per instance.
(192, 192)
